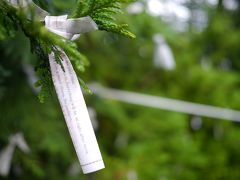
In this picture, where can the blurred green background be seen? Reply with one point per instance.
(137, 142)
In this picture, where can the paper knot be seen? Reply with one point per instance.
(61, 25)
(67, 86)
(70, 28)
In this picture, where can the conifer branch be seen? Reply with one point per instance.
(102, 12)
(44, 42)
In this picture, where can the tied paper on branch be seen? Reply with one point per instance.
(69, 91)
(70, 95)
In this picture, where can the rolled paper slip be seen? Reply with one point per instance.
(71, 98)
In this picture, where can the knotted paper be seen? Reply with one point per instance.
(68, 89)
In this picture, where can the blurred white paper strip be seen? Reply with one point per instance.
(166, 103)
(7, 153)
(163, 56)
(70, 95)
(6, 159)
(30, 8)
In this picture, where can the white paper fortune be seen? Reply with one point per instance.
(67, 86)
(71, 99)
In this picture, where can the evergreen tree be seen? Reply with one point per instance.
(135, 141)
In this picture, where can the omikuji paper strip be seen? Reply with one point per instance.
(67, 86)
(76, 114)
(70, 95)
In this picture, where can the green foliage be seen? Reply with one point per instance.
(135, 141)
(102, 12)
(161, 144)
